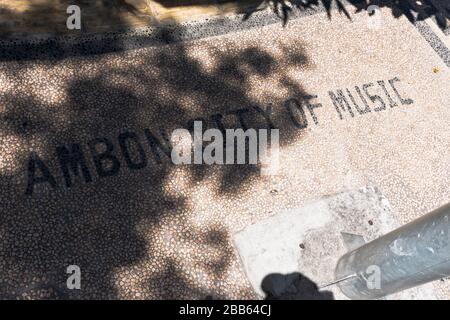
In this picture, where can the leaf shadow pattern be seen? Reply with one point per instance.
(411, 9)
(128, 231)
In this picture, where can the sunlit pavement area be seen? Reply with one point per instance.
(361, 104)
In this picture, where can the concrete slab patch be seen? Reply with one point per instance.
(292, 254)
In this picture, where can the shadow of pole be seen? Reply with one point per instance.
(292, 286)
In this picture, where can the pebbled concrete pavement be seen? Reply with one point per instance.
(149, 229)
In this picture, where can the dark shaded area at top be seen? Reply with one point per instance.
(115, 41)
(413, 10)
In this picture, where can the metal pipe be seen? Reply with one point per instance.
(414, 254)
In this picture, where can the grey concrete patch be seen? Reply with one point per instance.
(283, 252)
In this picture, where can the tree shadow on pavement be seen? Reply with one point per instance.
(131, 231)
(115, 18)
(413, 10)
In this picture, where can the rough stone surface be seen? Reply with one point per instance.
(164, 231)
